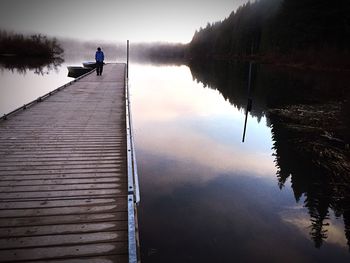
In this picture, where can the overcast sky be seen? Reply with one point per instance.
(137, 20)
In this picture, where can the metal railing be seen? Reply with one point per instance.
(133, 182)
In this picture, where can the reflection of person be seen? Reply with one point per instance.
(99, 57)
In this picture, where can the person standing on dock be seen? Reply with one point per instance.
(99, 57)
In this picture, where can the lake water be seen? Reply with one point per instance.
(205, 195)
(208, 197)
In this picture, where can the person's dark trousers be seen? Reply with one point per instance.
(99, 68)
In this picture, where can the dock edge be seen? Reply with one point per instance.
(133, 182)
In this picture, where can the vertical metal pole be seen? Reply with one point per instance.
(127, 59)
(245, 125)
(249, 103)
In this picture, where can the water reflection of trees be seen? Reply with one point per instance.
(230, 79)
(310, 129)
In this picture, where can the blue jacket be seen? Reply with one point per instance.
(99, 56)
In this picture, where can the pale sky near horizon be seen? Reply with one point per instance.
(114, 20)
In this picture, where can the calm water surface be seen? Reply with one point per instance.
(205, 195)
(17, 89)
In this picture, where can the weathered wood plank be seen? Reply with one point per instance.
(57, 181)
(62, 240)
(65, 166)
(105, 259)
(64, 171)
(64, 176)
(60, 203)
(57, 194)
(73, 187)
(62, 229)
(63, 219)
(61, 252)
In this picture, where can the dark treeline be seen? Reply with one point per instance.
(29, 52)
(37, 45)
(286, 31)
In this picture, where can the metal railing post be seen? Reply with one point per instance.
(127, 59)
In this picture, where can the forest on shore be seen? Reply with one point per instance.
(309, 32)
(36, 45)
(22, 52)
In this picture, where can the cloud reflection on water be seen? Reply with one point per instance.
(297, 215)
(177, 121)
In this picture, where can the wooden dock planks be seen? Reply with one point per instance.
(63, 178)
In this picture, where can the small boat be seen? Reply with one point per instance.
(75, 72)
(89, 64)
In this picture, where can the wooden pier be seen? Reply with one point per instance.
(64, 189)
